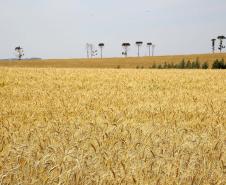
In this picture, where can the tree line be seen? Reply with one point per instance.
(151, 47)
(92, 52)
(217, 64)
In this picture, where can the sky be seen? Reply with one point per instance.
(61, 28)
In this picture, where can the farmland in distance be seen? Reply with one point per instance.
(130, 62)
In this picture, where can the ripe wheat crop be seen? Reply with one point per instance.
(130, 62)
(109, 126)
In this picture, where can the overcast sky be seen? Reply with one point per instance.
(61, 28)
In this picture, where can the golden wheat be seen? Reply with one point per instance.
(93, 126)
(134, 62)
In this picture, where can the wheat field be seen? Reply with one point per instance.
(130, 62)
(112, 126)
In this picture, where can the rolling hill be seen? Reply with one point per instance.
(144, 62)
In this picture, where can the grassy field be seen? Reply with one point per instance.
(142, 62)
(110, 126)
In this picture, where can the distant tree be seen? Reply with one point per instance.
(188, 65)
(181, 65)
(154, 65)
(219, 64)
(221, 38)
(101, 46)
(197, 64)
(139, 44)
(153, 49)
(205, 65)
(19, 52)
(169, 66)
(193, 65)
(215, 64)
(213, 45)
(93, 53)
(160, 66)
(125, 47)
(165, 65)
(90, 51)
(173, 65)
(87, 50)
(149, 44)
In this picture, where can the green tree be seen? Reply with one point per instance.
(181, 65)
(197, 64)
(205, 65)
(165, 66)
(219, 64)
(169, 66)
(188, 65)
(193, 65)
